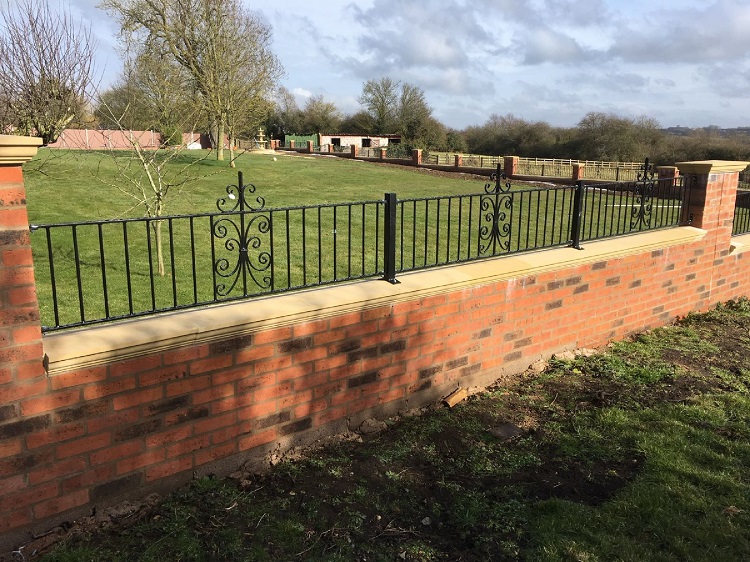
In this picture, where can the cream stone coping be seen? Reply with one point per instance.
(92, 346)
(18, 150)
(711, 166)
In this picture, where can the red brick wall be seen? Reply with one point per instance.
(73, 440)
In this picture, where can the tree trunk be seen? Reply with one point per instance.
(159, 250)
(220, 140)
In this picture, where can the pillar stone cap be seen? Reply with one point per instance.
(15, 150)
(711, 166)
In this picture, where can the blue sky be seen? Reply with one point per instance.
(683, 62)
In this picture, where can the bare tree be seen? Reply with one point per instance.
(149, 175)
(46, 66)
(152, 93)
(224, 48)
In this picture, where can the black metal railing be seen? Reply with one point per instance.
(96, 271)
(741, 213)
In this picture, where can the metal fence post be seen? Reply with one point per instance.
(389, 241)
(576, 222)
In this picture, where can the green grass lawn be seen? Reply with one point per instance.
(639, 452)
(111, 270)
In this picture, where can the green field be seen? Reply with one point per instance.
(112, 269)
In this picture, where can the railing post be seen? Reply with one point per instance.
(389, 241)
(576, 222)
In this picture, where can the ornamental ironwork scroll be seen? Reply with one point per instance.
(238, 236)
(645, 185)
(495, 215)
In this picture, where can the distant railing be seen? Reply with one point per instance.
(741, 213)
(96, 271)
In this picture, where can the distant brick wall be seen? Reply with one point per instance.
(74, 439)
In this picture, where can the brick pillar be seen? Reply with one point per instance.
(309, 147)
(510, 166)
(21, 353)
(383, 152)
(578, 169)
(354, 150)
(458, 161)
(416, 156)
(713, 190)
(291, 143)
(20, 331)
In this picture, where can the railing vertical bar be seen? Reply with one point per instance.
(320, 245)
(53, 283)
(460, 226)
(212, 225)
(304, 247)
(271, 250)
(401, 229)
(103, 262)
(193, 260)
(414, 234)
(335, 242)
(349, 237)
(172, 261)
(426, 229)
(150, 264)
(128, 276)
(364, 235)
(437, 233)
(78, 274)
(448, 231)
(287, 227)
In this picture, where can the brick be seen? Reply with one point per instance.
(140, 461)
(25, 334)
(184, 355)
(255, 353)
(214, 422)
(87, 376)
(171, 436)
(16, 519)
(83, 445)
(273, 336)
(84, 411)
(93, 391)
(7, 412)
(212, 363)
(295, 345)
(133, 366)
(227, 346)
(162, 375)
(31, 370)
(132, 399)
(188, 385)
(51, 401)
(115, 488)
(295, 427)
(310, 328)
(56, 434)
(140, 429)
(59, 469)
(24, 426)
(61, 504)
(257, 439)
(29, 496)
(366, 378)
(116, 452)
(205, 456)
(275, 391)
(187, 446)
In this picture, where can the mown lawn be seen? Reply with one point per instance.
(86, 273)
(638, 452)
